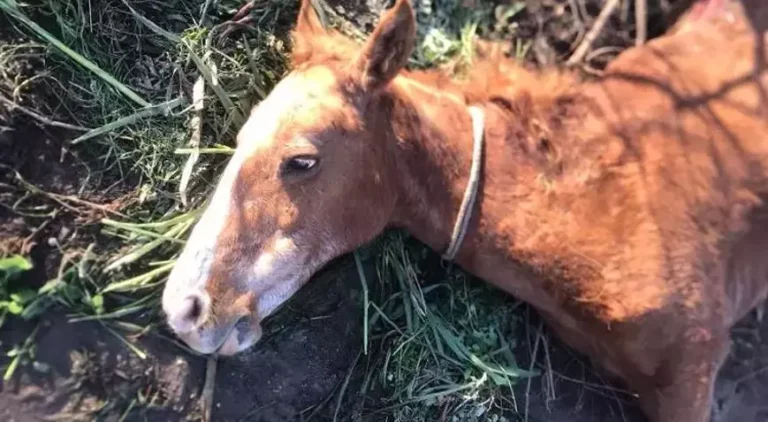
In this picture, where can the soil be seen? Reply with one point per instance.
(307, 352)
(310, 346)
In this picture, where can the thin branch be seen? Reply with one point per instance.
(196, 125)
(600, 22)
(63, 200)
(641, 22)
(206, 396)
(42, 119)
(530, 368)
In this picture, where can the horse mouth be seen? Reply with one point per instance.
(240, 328)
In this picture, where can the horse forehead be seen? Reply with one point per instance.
(298, 100)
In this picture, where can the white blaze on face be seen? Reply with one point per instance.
(193, 268)
(276, 274)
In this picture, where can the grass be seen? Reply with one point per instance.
(16, 299)
(120, 74)
(447, 343)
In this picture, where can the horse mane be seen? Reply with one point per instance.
(494, 77)
(490, 77)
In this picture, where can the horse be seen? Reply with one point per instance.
(629, 210)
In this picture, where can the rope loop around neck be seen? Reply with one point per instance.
(470, 194)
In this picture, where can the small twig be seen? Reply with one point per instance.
(132, 347)
(366, 302)
(749, 376)
(42, 119)
(196, 125)
(583, 14)
(206, 397)
(592, 70)
(27, 244)
(587, 66)
(243, 11)
(128, 410)
(231, 26)
(600, 22)
(641, 22)
(530, 369)
(602, 390)
(204, 12)
(578, 21)
(62, 200)
(594, 54)
(552, 395)
(344, 386)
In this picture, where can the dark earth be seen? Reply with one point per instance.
(311, 345)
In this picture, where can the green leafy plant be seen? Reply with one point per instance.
(13, 299)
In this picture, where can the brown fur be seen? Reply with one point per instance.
(629, 211)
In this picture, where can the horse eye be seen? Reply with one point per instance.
(299, 164)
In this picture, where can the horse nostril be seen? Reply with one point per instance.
(192, 309)
(242, 328)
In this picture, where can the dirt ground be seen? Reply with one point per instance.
(290, 372)
(310, 347)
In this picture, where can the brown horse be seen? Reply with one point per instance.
(628, 211)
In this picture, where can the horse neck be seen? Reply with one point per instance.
(433, 153)
(433, 128)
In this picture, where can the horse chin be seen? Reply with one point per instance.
(244, 335)
(232, 345)
(224, 339)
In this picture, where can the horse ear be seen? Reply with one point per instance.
(308, 30)
(388, 49)
(308, 22)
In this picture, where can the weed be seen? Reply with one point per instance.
(448, 343)
(13, 299)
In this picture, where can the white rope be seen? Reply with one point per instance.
(470, 194)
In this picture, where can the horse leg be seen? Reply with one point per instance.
(683, 387)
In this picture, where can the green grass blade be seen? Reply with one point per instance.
(144, 249)
(144, 113)
(213, 81)
(11, 8)
(138, 352)
(157, 225)
(148, 233)
(216, 150)
(153, 26)
(364, 282)
(140, 281)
